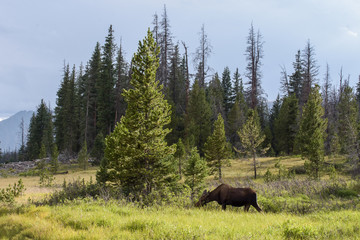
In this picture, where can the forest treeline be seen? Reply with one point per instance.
(90, 101)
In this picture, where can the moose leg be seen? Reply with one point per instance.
(246, 208)
(224, 206)
(257, 207)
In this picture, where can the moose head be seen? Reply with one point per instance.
(204, 199)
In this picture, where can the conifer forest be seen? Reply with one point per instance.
(159, 129)
(93, 98)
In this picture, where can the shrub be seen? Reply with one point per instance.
(8, 195)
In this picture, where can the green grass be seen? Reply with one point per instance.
(95, 220)
(296, 209)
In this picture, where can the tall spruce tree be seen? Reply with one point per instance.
(136, 150)
(40, 133)
(176, 95)
(105, 86)
(215, 95)
(89, 108)
(198, 117)
(347, 120)
(195, 172)
(227, 90)
(122, 82)
(295, 80)
(310, 138)
(217, 150)
(286, 125)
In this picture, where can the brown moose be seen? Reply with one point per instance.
(227, 195)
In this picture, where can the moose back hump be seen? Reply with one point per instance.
(227, 195)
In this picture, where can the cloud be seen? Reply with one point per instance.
(350, 32)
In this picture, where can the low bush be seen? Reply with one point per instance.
(9, 194)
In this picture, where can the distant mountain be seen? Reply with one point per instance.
(10, 133)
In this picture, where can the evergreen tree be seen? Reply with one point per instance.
(227, 91)
(198, 118)
(238, 85)
(122, 82)
(39, 131)
(348, 120)
(102, 175)
(60, 109)
(217, 150)
(274, 113)
(176, 95)
(66, 125)
(286, 125)
(252, 138)
(97, 151)
(195, 172)
(215, 96)
(105, 86)
(137, 149)
(165, 44)
(83, 158)
(54, 163)
(92, 78)
(236, 119)
(295, 80)
(310, 138)
(180, 155)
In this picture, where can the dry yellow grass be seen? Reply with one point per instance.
(33, 189)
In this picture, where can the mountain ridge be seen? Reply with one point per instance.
(10, 133)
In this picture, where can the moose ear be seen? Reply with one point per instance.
(205, 192)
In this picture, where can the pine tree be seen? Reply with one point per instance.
(83, 158)
(217, 150)
(215, 95)
(348, 119)
(286, 125)
(227, 90)
(176, 95)
(40, 133)
(310, 138)
(66, 125)
(198, 118)
(136, 149)
(54, 163)
(195, 172)
(97, 151)
(295, 80)
(180, 155)
(122, 82)
(236, 119)
(252, 138)
(165, 44)
(105, 86)
(91, 80)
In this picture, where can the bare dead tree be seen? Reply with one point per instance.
(310, 71)
(254, 55)
(202, 54)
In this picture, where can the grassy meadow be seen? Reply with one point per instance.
(293, 209)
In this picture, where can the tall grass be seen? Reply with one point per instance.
(87, 219)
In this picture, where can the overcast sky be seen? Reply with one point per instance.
(37, 36)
